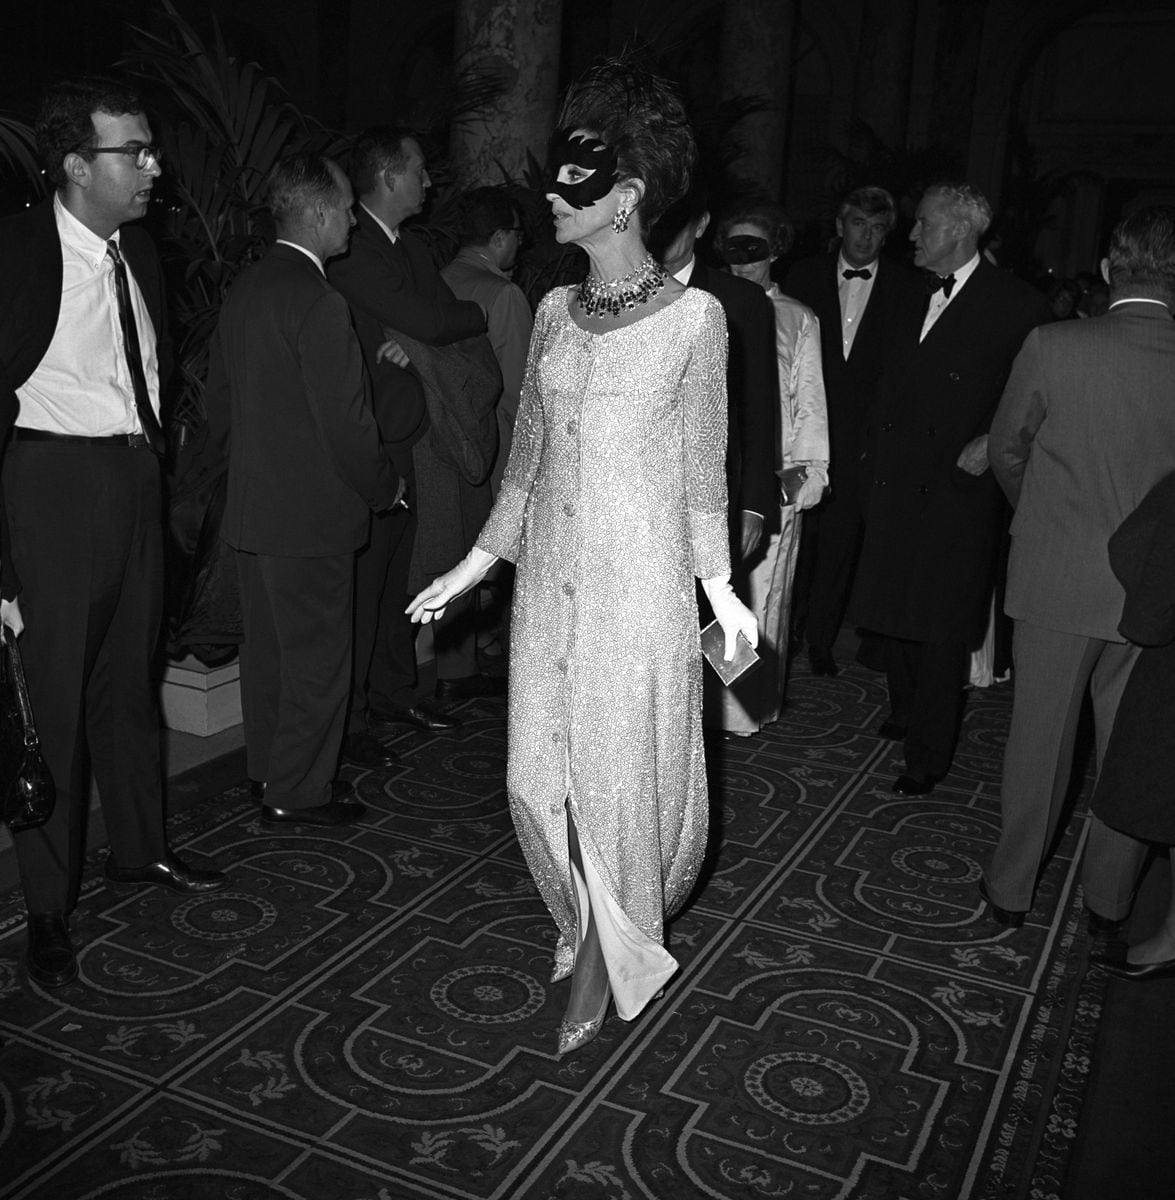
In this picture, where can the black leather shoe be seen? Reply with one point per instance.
(1100, 926)
(915, 785)
(334, 812)
(340, 789)
(51, 960)
(170, 873)
(822, 663)
(364, 749)
(420, 715)
(892, 731)
(1122, 969)
(1010, 917)
(472, 687)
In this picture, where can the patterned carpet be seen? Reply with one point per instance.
(365, 1014)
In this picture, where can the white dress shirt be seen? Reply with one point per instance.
(854, 296)
(939, 301)
(302, 250)
(83, 385)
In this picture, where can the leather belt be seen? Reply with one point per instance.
(136, 441)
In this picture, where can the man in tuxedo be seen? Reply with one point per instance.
(391, 283)
(305, 468)
(82, 352)
(856, 291)
(1085, 428)
(752, 381)
(932, 509)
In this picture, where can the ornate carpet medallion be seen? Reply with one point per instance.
(366, 1013)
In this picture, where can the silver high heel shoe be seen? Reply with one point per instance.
(574, 1035)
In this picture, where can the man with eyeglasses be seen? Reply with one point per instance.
(83, 348)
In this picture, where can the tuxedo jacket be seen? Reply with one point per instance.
(752, 388)
(931, 529)
(30, 301)
(850, 385)
(397, 286)
(286, 376)
(1085, 429)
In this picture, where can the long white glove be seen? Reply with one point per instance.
(731, 613)
(431, 603)
(812, 489)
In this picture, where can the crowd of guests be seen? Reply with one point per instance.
(843, 440)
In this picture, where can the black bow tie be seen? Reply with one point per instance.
(864, 273)
(934, 282)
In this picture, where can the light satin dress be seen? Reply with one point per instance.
(756, 700)
(614, 499)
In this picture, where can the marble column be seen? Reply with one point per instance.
(755, 59)
(885, 56)
(515, 43)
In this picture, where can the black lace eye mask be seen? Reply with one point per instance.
(581, 169)
(742, 248)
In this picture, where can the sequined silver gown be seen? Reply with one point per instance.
(613, 500)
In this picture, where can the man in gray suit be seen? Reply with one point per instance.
(1085, 428)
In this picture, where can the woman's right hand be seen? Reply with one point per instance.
(431, 603)
(10, 618)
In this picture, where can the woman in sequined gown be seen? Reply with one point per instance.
(613, 501)
(751, 240)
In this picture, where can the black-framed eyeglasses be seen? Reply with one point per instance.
(145, 157)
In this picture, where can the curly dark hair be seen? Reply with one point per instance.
(641, 116)
(770, 218)
(64, 123)
(1142, 252)
(376, 150)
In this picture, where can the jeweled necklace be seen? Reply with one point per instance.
(610, 297)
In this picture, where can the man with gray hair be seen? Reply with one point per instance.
(286, 379)
(933, 511)
(1085, 428)
(857, 294)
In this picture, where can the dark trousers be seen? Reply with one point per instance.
(87, 540)
(295, 671)
(825, 569)
(385, 640)
(926, 681)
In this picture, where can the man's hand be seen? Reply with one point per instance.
(391, 351)
(10, 618)
(751, 534)
(973, 459)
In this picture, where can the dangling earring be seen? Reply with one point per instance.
(620, 220)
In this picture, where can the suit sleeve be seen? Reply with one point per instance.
(332, 371)
(510, 326)
(384, 295)
(759, 408)
(1021, 412)
(809, 410)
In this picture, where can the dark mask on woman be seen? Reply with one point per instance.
(742, 248)
(589, 158)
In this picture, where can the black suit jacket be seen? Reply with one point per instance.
(399, 287)
(931, 529)
(752, 389)
(30, 300)
(850, 386)
(286, 377)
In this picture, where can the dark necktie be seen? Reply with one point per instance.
(863, 273)
(134, 357)
(934, 282)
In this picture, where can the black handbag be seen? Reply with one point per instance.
(27, 793)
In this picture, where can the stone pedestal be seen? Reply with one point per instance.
(199, 699)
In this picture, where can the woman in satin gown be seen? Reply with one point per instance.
(751, 240)
(613, 501)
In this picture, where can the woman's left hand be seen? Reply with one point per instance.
(10, 618)
(731, 614)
